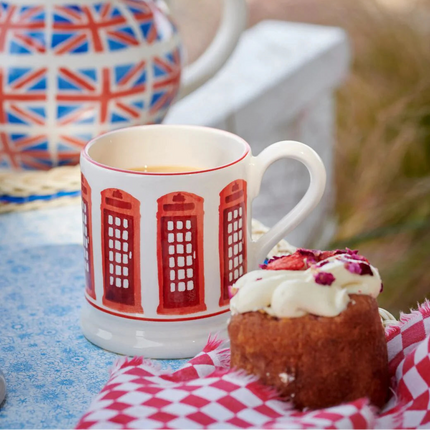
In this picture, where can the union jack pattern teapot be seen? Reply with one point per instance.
(73, 69)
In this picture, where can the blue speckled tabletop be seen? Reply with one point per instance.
(52, 372)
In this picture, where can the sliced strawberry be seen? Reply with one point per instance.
(303, 258)
(327, 254)
(288, 262)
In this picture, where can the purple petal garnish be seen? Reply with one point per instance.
(311, 254)
(306, 252)
(353, 267)
(324, 278)
(322, 263)
(355, 255)
(358, 268)
(382, 288)
(263, 266)
(352, 254)
(365, 269)
(232, 291)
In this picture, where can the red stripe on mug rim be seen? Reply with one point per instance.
(86, 155)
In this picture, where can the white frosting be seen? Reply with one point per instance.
(291, 293)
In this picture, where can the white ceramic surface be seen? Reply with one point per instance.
(280, 84)
(162, 249)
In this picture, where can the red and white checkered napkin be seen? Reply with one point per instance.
(205, 393)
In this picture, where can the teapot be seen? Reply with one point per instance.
(73, 70)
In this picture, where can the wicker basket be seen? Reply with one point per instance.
(38, 189)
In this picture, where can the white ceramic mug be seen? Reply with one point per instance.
(161, 249)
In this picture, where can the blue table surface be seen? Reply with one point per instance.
(52, 372)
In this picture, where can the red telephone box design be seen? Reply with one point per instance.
(180, 254)
(88, 237)
(232, 236)
(120, 219)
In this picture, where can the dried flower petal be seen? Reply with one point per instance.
(327, 254)
(322, 263)
(324, 278)
(358, 268)
(232, 291)
(352, 267)
(352, 254)
(365, 269)
(355, 255)
(303, 258)
(312, 253)
(382, 288)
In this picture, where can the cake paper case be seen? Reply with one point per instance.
(206, 393)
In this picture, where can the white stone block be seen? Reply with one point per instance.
(279, 85)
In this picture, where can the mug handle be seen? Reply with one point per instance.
(259, 164)
(233, 23)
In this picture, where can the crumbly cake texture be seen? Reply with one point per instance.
(313, 361)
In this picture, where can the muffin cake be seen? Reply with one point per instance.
(308, 325)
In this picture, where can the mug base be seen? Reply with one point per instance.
(152, 339)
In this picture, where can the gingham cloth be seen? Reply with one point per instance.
(205, 393)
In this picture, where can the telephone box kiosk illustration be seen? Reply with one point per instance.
(232, 236)
(88, 237)
(120, 220)
(179, 250)
(180, 254)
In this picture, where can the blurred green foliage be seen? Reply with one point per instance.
(383, 149)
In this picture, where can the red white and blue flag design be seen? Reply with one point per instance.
(22, 107)
(107, 96)
(23, 96)
(22, 29)
(167, 77)
(71, 107)
(50, 109)
(91, 28)
(151, 20)
(24, 151)
(69, 147)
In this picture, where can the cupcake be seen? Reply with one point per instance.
(308, 325)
